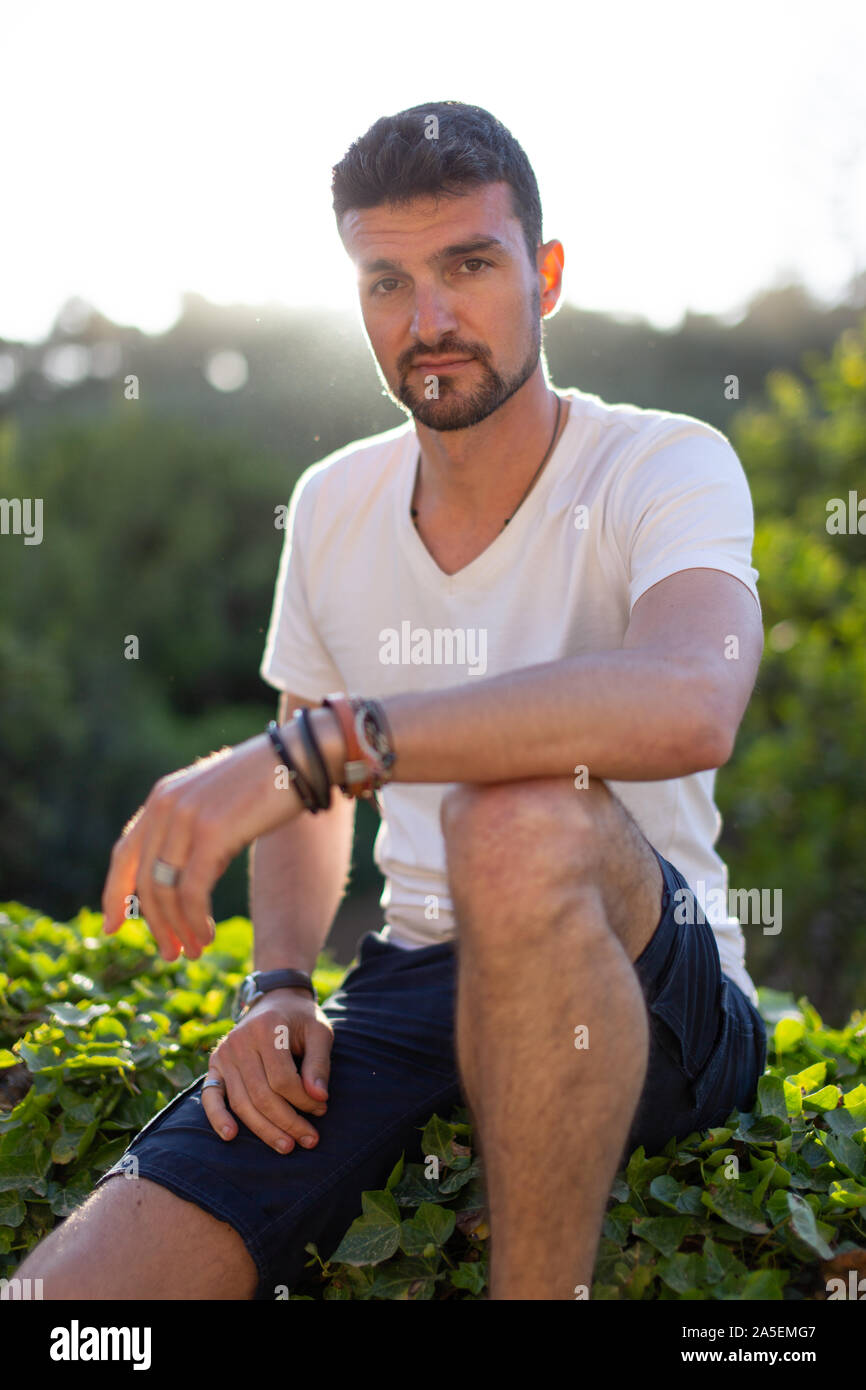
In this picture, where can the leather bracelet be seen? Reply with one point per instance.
(320, 780)
(359, 779)
(296, 777)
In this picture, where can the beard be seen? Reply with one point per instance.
(455, 408)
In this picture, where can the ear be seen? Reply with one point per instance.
(550, 258)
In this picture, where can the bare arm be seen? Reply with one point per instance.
(666, 704)
(298, 875)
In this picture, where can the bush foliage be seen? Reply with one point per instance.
(97, 1034)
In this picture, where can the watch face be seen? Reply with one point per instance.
(247, 990)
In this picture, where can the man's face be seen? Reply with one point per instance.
(450, 301)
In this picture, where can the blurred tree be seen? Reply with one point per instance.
(794, 795)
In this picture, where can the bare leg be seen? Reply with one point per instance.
(556, 892)
(133, 1239)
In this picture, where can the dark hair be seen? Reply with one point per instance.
(397, 160)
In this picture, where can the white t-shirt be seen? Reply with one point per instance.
(628, 497)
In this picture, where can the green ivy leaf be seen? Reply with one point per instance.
(469, 1276)
(803, 1224)
(664, 1233)
(373, 1236)
(431, 1225)
(405, 1280)
(736, 1208)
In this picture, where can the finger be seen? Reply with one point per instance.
(121, 884)
(120, 879)
(213, 1103)
(205, 865)
(175, 849)
(134, 847)
(262, 1111)
(270, 1032)
(316, 1066)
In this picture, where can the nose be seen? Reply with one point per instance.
(433, 317)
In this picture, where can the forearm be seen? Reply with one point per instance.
(626, 715)
(298, 875)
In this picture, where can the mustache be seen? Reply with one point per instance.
(449, 350)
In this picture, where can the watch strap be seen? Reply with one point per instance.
(267, 980)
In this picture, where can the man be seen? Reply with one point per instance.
(552, 600)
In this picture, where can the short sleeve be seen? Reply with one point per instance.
(685, 505)
(295, 657)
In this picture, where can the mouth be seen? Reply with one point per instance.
(443, 363)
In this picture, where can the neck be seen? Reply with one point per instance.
(482, 471)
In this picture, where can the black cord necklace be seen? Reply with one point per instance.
(533, 480)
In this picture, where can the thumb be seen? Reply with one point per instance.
(316, 1066)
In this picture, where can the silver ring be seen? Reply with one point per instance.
(214, 1081)
(165, 873)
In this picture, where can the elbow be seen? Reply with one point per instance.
(714, 738)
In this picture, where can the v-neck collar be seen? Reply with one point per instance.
(497, 554)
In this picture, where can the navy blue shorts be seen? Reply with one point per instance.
(393, 1065)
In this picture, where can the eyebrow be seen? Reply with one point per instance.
(460, 248)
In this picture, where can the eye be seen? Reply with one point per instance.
(389, 280)
(475, 260)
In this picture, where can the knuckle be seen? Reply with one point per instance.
(188, 897)
(261, 1095)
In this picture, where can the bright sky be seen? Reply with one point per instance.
(687, 155)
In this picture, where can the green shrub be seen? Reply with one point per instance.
(97, 1034)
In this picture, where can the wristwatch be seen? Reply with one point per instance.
(261, 981)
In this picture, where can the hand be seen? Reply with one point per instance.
(197, 820)
(263, 1085)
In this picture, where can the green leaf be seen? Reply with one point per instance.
(719, 1262)
(373, 1236)
(12, 1209)
(664, 1233)
(764, 1284)
(72, 1017)
(760, 1131)
(825, 1099)
(436, 1140)
(469, 1276)
(455, 1181)
(405, 1280)
(787, 1033)
(396, 1173)
(810, 1078)
(431, 1225)
(771, 1096)
(666, 1189)
(683, 1273)
(803, 1224)
(848, 1193)
(413, 1188)
(845, 1152)
(735, 1207)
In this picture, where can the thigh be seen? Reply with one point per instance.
(708, 1043)
(392, 1065)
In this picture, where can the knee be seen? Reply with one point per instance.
(511, 832)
